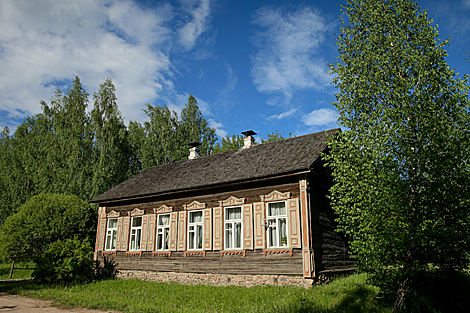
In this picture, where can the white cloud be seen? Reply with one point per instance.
(198, 13)
(320, 117)
(218, 128)
(43, 44)
(288, 58)
(282, 115)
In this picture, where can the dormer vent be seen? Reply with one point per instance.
(249, 139)
(194, 150)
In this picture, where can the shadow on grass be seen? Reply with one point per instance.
(358, 300)
(15, 286)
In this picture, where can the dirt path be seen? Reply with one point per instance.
(14, 303)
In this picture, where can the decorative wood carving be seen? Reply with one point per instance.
(232, 253)
(109, 252)
(232, 201)
(276, 195)
(114, 214)
(168, 254)
(203, 253)
(136, 212)
(139, 253)
(195, 205)
(278, 251)
(163, 209)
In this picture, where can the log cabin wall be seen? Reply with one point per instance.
(330, 247)
(209, 259)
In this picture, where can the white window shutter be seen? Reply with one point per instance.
(207, 229)
(125, 233)
(247, 227)
(102, 232)
(181, 231)
(259, 222)
(218, 228)
(173, 231)
(293, 218)
(119, 234)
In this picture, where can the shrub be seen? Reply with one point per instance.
(44, 219)
(107, 270)
(66, 261)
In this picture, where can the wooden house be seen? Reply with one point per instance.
(256, 215)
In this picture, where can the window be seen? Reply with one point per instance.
(136, 232)
(277, 225)
(111, 234)
(195, 230)
(163, 231)
(233, 228)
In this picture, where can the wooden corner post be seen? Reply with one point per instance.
(307, 246)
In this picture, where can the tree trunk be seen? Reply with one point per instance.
(402, 291)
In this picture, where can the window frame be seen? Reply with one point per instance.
(233, 222)
(162, 228)
(276, 224)
(196, 225)
(113, 232)
(138, 234)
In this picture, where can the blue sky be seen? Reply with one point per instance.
(257, 65)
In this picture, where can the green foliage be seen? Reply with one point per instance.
(401, 171)
(227, 143)
(44, 219)
(70, 260)
(164, 137)
(106, 269)
(274, 136)
(112, 151)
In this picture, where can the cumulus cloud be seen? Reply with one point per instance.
(287, 59)
(282, 115)
(218, 128)
(197, 13)
(43, 44)
(320, 117)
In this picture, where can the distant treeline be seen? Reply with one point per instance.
(67, 150)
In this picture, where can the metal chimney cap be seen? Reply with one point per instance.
(194, 144)
(249, 133)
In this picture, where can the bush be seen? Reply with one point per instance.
(44, 219)
(66, 261)
(107, 270)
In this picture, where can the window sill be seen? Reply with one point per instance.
(278, 251)
(139, 253)
(242, 252)
(168, 253)
(203, 253)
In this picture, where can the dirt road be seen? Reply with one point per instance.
(13, 303)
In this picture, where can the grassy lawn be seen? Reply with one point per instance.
(350, 294)
(5, 270)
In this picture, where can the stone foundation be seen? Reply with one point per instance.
(217, 279)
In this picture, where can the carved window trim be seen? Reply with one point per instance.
(163, 209)
(136, 212)
(113, 214)
(232, 201)
(276, 196)
(195, 205)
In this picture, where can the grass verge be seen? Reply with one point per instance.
(349, 294)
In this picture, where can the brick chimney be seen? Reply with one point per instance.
(194, 150)
(249, 140)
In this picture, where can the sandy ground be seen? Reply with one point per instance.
(14, 303)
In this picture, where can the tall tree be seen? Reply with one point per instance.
(229, 143)
(111, 147)
(401, 169)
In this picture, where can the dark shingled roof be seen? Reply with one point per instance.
(260, 161)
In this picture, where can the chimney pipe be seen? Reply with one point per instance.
(194, 150)
(249, 140)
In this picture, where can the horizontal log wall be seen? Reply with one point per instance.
(330, 247)
(254, 263)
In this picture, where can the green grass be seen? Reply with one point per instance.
(350, 294)
(6, 267)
